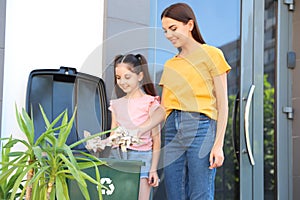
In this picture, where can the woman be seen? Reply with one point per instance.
(194, 96)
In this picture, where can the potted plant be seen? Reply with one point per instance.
(43, 169)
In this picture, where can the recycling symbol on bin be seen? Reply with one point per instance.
(110, 186)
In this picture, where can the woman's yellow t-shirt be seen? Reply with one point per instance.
(188, 82)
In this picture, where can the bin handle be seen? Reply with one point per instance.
(67, 70)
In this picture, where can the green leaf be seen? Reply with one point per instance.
(38, 153)
(90, 137)
(6, 174)
(25, 124)
(64, 124)
(39, 187)
(44, 116)
(36, 190)
(14, 162)
(49, 133)
(19, 180)
(6, 138)
(89, 160)
(84, 192)
(2, 193)
(86, 165)
(12, 179)
(51, 139)
(63, 136)
(96, 181)
(70, 155)
(12, 142)
(49, 126)
(52, 194)
(29, 125)
(17, 154)
(74, 171)
(40, 174)
(61, 188)
(5, 156)
(87, 177)
(19, 120)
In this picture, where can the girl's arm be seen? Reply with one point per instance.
(217, 155)
(114, 123)
(153, 176)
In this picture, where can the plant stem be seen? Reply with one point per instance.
(49, 189)
(29, 177)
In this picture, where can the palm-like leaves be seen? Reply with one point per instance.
(43, 169)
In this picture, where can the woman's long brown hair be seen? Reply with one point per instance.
(183, 13)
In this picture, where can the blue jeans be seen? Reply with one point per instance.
(189, 137)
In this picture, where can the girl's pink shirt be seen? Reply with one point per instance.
(130, 113)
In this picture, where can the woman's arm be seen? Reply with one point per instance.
(153, 176)
(156, 117)
(217, 155)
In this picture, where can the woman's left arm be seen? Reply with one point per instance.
(156, 138)
(156, 117)
(217, 155)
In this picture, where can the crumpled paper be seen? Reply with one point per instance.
(95, 144)
(121, 137)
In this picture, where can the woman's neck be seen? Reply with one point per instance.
(188, 48)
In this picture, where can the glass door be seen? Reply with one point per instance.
(236, 27)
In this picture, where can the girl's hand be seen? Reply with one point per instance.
(153, 179)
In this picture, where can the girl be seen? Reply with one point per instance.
(194, 95)
(138, 108)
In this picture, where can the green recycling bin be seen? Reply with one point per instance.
(121, 177)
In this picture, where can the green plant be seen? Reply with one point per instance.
(7, 184)
(47, 163)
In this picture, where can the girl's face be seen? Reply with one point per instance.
(177, 32)
(127, 80)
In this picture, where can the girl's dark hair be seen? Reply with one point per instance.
(183, 13)
(138, 64)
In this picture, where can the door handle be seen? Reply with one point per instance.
(246, 124)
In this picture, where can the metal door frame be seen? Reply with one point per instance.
(283, 98)
(251, 141)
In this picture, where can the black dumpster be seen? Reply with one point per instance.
(59, 89)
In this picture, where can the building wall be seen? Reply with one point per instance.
(2, 39)
(126, 30)
(43, 35)
(296, 104)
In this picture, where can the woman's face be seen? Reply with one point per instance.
(127, 80)
(177, 32)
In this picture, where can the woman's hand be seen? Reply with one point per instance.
(216, 158)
